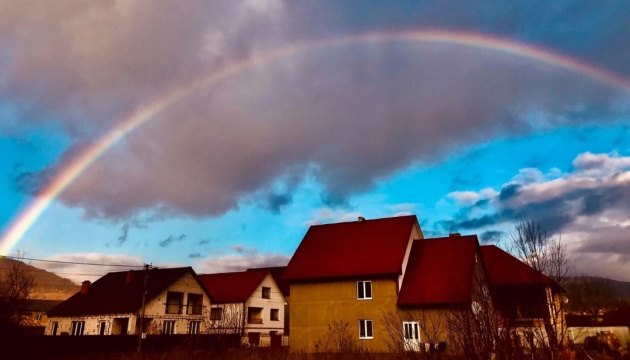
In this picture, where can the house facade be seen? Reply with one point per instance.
(249, 303)
(175, 303)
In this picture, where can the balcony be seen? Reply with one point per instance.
(254, 321)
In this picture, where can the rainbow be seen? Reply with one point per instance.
(33, 211)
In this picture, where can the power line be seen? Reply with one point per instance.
(72, 262)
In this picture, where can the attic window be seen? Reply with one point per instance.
(364, 290)
(195, 304)
(266, 292)
(174, 302)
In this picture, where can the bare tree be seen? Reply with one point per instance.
(533, 245)
(432, 329)
(16, 285)
(225, 319)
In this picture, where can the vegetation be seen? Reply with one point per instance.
(16, 285)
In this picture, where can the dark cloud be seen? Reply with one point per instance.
(347, 116)
(508, 191)
(124, 233)
(242, 249)
(491, 236)
(171, 239)
(195, 256)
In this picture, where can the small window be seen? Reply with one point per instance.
(169, 327)
(266, 292)
(55, 328)
(365, 329)
(216, 313)
(275, 314)
(193, 327)
(411, 331)
(364, 290)
(77, 328)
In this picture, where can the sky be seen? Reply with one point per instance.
(213, 134)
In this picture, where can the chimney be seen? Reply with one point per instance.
(361, 219)
(454, 234)
(85, 286)
(130, 276)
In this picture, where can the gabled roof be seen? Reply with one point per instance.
(40, 305)
(439, 272)
(352, 249)
(276, 273)
(505, 269)
(112, 294)
(234, 287)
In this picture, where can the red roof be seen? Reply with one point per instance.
(505, 269)
(352, 249)
(439, 272)
(276, 273)
(233, 287)
(112, 294)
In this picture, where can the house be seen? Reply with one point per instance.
(277, 273)
(616, 322)
(528, 301)
(35, 315)
(392, 290)
(249, 303)
(348, 272)
(175, 303)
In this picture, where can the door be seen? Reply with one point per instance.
(101, 328)
(254, 338)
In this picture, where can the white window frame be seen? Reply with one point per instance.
(194, 327)
(77, 328)
(412, 342)
(168, 329)
(362, 286)
(367, 326)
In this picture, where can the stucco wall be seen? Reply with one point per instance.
(92, 324)
(314, 306)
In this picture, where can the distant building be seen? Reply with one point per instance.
(35, 315)
(176, 302)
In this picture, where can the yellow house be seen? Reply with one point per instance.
(380, 286)
(175, 303)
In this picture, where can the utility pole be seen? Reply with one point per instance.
(144, 299)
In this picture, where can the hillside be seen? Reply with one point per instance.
(48, 286)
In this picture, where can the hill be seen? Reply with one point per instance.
(47, 285)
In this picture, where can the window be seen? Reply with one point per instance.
(55, 328)
(275, 314)
(411, 331)
(266, 293)
(216, 313)
(77, 327)
(365, 329)
(364, 290)
(193, 327)
(195, 304)
(174, 302)
(101, 327)
(169, 327)
(38, 317)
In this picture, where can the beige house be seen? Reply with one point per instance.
(175, 303)
(249, 303)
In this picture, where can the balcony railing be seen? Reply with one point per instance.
(255, 321)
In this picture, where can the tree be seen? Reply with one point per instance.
(592, 295)
(534, 246)
(16, 285)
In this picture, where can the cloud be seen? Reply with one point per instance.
(195, 256)
(230, 263)
(588, 207)
(242, 249)
(89, 266)
(347, 116)
(172, 239)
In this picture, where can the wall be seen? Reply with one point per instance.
(92, 323)
(314, 306)
(277, 301)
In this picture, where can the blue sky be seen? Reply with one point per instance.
(467, 138)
